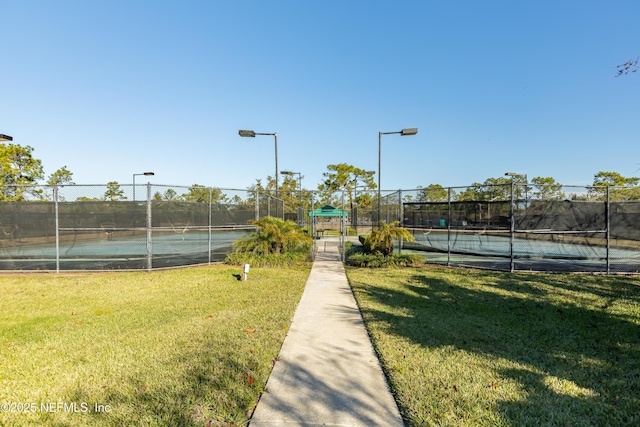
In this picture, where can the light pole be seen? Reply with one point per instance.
(134, 181)
(252, 134)
(5, 137)
(403, 132)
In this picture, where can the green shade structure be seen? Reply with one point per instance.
(328, 211)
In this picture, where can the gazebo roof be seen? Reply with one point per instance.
(328, 211)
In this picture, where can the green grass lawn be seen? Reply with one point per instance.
(170, 348)
(475, 348)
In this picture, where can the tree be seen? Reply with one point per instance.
(474, 192)
(60, 177)
(491, 190)
(620, 187)
(630, 66)
(613, 179)
(547, 189)
(114, 192)
(496, 189)
(274, 236)
(433, 193)
(201, 194)
(381, 239)
(344, 177)
(19, 172)
(288, 193)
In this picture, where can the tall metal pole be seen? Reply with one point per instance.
(275, 138)
(252, 134)
(403, 132)
(379, 174)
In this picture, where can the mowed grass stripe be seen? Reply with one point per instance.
(179, 347)
(477, 348)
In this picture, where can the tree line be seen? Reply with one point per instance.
(342, 184)
(613, 184)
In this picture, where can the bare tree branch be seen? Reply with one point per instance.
(630, 66)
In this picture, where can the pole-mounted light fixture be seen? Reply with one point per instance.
(5, 137)
(403, 132)
(252, 134)
(134, 181)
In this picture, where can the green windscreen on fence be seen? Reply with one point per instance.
(546, 235)
(505, 227)
(76, 230)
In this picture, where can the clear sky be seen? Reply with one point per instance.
(112, 88)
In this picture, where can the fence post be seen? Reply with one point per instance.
(448, 227)
(512, 231)
(149, 248)
(387, 206)
(312, 227)
(209, 242)
(343, 230)
(55, 199)
(401, 219)
(607, 214)
(257, 205)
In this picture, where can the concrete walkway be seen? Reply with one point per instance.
(327, 372)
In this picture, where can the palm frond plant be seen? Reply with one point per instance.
(274, 236)
(381, 239)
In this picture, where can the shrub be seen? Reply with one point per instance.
(274, 236)
(268, 260)
(380, 241)
(379, 260)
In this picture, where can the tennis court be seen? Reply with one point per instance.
(548, 252)
(511, 228)
(122, 250)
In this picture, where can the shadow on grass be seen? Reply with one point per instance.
(563, 329)
(213, 389)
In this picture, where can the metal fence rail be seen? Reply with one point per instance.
(579, 229)
(98, 227)
(510, 228)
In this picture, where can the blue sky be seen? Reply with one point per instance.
(112, 88)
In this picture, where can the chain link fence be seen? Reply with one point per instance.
(109, 227)
(510, 227)
(527, 227)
